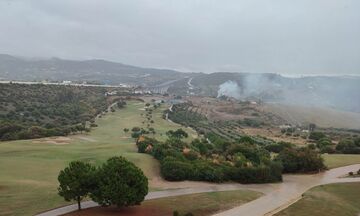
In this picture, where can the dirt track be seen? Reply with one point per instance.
(277, 196)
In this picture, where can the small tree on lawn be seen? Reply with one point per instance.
(121, 183)
(76, 181)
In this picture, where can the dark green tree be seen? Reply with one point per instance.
(76, 181)
(178, 134)
(120, 183)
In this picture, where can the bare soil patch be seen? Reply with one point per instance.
(2, 187)
(32, 182)
(54, 140)
(159, 183)
(129, 211)
(86, 138)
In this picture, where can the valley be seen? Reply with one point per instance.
(29, 177)
(179, 108)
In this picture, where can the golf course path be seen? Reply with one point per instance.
(276, 197)
(284, 194)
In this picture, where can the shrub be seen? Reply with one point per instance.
(159, 151)
(175, 170)
(144, 143)
(135, 129)
(328, 150)
(278, 147)
(204, 171)
(135, 135)
(300, 160)
(347, 146)
(316, 135)
(262, 174)
(246, 139)
(322, 143)
(178, 134)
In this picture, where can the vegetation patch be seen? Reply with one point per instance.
(34, 111)
(216, 160)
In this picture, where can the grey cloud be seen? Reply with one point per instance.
(280, 36)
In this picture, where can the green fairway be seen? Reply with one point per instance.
(29, 168)
(339, 160)
(334, 199)
(206, 204)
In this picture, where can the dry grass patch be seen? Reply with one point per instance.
(201, 204)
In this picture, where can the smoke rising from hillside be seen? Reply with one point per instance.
(250, 86)
(331, 92)
(229, 89)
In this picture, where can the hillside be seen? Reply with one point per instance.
(323, 117)
(320, 91)
(32, 111)
(99, 71)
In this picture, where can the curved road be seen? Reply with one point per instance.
(276, 197)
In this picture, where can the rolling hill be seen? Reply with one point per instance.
(336, 92)
(99, 71)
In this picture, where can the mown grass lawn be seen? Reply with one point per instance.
(29, 168)
(341, 199)
(202, 204)
(339, 160)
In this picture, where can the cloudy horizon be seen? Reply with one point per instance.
(285, 37)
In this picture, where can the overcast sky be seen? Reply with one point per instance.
(280, 36)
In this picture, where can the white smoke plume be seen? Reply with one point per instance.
(229, 89)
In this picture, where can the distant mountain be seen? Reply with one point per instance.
(101, 71)
(342, 92)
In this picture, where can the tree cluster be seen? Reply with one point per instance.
(295, 160)
(117, 182)
(349, 146)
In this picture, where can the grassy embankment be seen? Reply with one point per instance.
(339, 160)
(206, 204)
(29, 168)
(333, 199)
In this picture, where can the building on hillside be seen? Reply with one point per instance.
(111, 93)
(66, 82)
